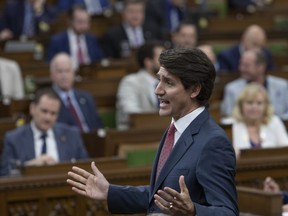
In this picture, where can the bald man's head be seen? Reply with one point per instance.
(61, 71)
(254, 37)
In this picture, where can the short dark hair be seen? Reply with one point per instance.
(192, 67)
(147, 51)
(48, 91)
(74, 8)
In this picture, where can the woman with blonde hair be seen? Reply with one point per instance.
(255, 125)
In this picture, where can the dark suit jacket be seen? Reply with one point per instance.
(88, 108)
(60, 43)
(229, 59)
(243, 4)
(19, 145)
(157, 15)
(14, 13)
(205, 156)
(114, 38)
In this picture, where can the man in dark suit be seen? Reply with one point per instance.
(78, 107)
(76, 40)
(43, 141)
(119, 41)
(253, 37)
(194, 168)
(26, 18)
(166, 14)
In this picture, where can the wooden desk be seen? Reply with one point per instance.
(50, 194)
(103, 164)
(258, 202)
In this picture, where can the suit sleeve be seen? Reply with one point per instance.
(80, 151)
(216, 172)
(128, 199)
(7, 155)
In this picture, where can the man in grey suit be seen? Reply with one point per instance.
(194, 169)
(136, 91)
(42, 142)
(252, 68)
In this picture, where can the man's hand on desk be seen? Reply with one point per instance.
(42, 160)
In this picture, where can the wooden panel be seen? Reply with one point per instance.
(114, 138)
(50, 194)
(149, 121)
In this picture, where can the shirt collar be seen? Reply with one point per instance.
(37, 133)
(182, 123)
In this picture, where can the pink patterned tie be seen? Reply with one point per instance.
(166, 149)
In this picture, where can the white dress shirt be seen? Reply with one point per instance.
(51, 143)
(182, 123)
(73, 44)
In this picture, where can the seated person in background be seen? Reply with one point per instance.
(255, 125)
(247, 5)
(252, 68)
(253, 37)
(166, 14)
(270, 185)
(11, 82)
(25, 18)
(136, 91)
(120, 40)
(185, 36)
(94, 7)
(43, 141)
(208, 50)
(76, 40)
(78, 107)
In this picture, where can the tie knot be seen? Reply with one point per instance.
(43, 136)
(172, 129)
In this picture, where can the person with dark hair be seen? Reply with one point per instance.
(166, 14)
(76, 41)
(194, 168)
(25, 18)
(252, 68)
(120, 40)
(136, 91)
(42, 141)
(185, 36)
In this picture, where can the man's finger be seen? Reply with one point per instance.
(183, 187)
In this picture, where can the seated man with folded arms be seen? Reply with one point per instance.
(42, 141)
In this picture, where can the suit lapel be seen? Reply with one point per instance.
(28, 142)
(82, 102)
(60, 142)
(180, 148)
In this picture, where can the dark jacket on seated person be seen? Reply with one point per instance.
(19, 145)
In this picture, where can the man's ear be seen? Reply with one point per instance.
(195, 90)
